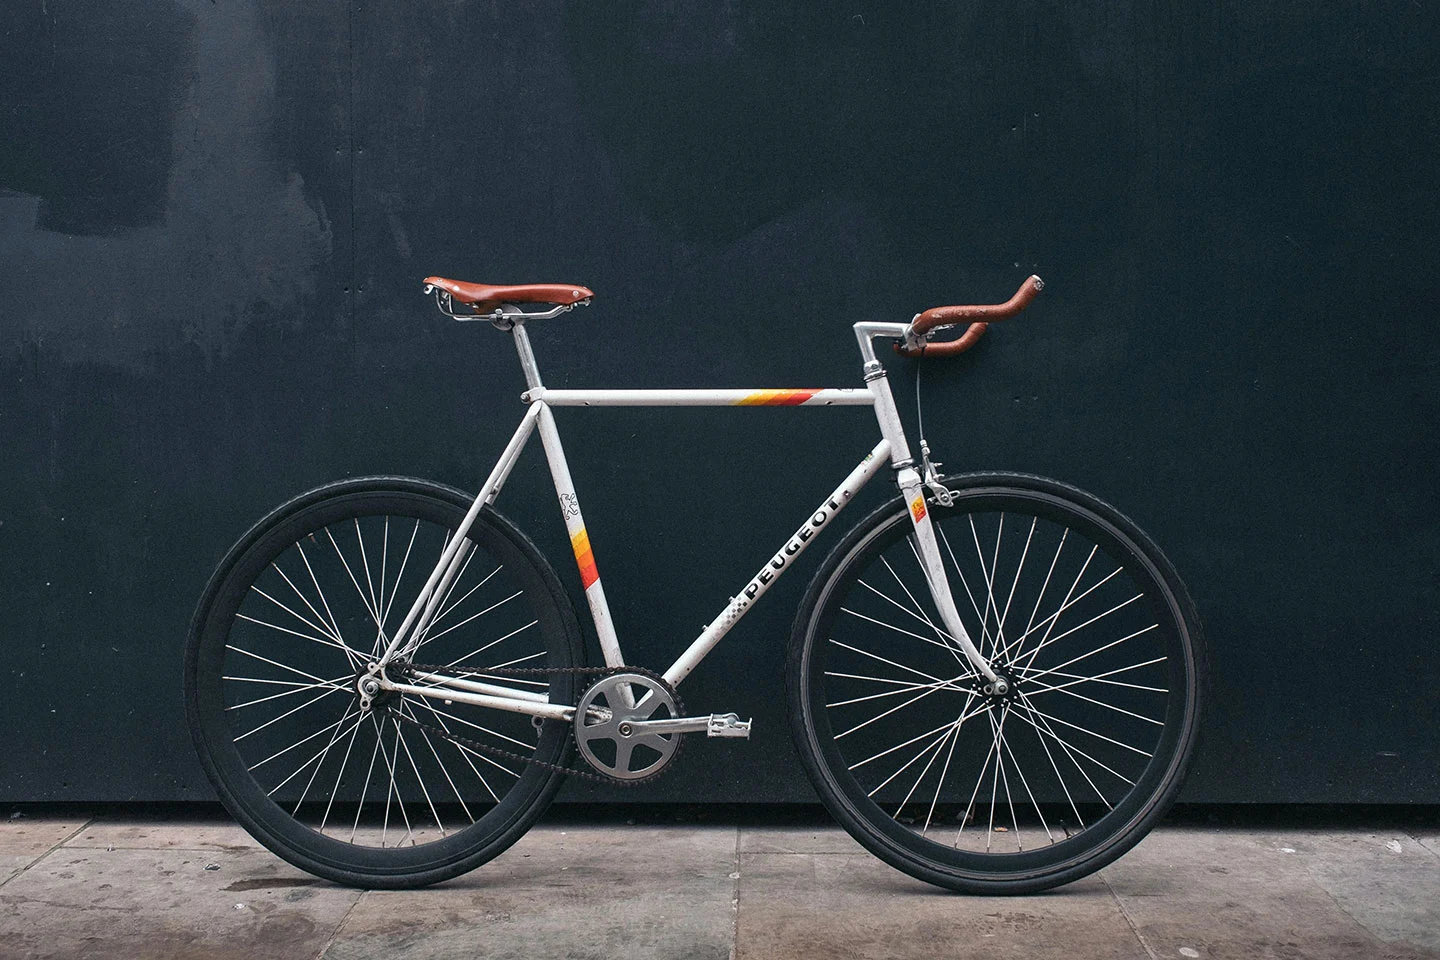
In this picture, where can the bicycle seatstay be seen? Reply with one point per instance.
(892, 448)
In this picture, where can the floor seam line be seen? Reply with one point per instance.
(1126, 914)
(735, 898)
(335, 934)
(56, 846)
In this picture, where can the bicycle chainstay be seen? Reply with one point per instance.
(598, 673)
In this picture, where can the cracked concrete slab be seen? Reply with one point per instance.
(11, 864)
(790, 839)
(1246, 894)
(165, 833)
(79, 904)
(34, 836)
(834, 906)
(1388, 882)
(138, 886)
(574, 891)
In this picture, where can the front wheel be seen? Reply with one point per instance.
(1080, 612)
(290, 621)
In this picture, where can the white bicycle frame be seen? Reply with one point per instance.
(892, 447)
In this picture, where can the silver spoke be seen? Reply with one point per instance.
(275, 663)
(922, 619)
(890, 626)
(365, 565)
(1054, 618)
(462, 623)
(860, 676)
(914, 699)
(469, 551)
(1091, 653)
(946, 729)
(334, 624)
(1053, 766)
(1033, 802)
(335, 736)
(1101, 677)
(465, 752)
(949, 755)
(900, 746)
(340, 775)
(294, 633)
(479, 650)
(1071, 750)
(1098, 703)
(873, 656)
(365, 784)
(374, 614)
(947, 684)
(276, 696)
(425, 734)
(946, 641)
(511, 663)
(320, 628)
(1005, 779)
(307, 763)
(1051, 620)
(999, 732)
(1018, 569)
(315, 699)
(395, 590)
(448, 607)
(984, 765)
(945, 541)
(400, 736)
(934, 755)
(494, 733)
(990, 603)
(1075, 726)
(280, 753)
(1029, 624)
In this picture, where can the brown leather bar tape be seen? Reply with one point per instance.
(978, 315)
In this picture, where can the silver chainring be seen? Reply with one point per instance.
(602, 726)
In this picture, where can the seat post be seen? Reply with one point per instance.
(527, 356)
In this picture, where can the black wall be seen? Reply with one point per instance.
(214, 218)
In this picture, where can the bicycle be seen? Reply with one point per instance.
(932, 673)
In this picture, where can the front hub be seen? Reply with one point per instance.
(1002, 688)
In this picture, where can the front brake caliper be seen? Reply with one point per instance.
(930, 476)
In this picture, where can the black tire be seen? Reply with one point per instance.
(1094, 769)
(263, 637)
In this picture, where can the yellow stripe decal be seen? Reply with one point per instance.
(775, 398)
(584, 558)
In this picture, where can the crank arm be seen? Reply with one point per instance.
(715, 725)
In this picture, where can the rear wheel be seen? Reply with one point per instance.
(294, 614)
(1009, 793)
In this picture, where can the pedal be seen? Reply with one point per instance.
(727, 725)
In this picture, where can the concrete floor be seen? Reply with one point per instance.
(581, 886)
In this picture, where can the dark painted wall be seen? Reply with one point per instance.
(213, 217)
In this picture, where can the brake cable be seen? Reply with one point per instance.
(929, 471)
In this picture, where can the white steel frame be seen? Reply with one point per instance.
(892, 447)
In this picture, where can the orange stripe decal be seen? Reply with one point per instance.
(917, 508)
(584, 558)
(775, 398)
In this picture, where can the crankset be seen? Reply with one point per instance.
(620, 725)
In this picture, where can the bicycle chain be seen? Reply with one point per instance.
(597, 672)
